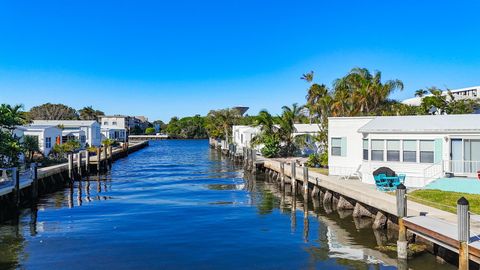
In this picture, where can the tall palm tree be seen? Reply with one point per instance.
(308, 77)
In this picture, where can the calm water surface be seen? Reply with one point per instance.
(179, 205)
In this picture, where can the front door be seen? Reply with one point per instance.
(456, 156)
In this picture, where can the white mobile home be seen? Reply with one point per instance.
(243, 135)
(47, 136)
(422, 147)
(90, 127)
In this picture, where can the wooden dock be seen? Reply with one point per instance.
(14, 193)
(153, 137)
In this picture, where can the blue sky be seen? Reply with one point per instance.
(178, 58)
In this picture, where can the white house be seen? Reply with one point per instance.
(90, 127)
(422, 147)
(243, 135)
(47, 136)
(74, 134)
(463, 93)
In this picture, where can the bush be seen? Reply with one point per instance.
(324, 159)
(313, 160)
(150, 130)
(271, 147)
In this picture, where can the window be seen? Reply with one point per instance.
(365, 149)
(336, 146)
(393, 150)
(409, 151)
(82, 139)
(426, 151)
(377, 150)
(48, 142)
(241, 136)
(114, 123)
(105, 123)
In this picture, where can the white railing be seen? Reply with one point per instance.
(434, 170)
(465, 167)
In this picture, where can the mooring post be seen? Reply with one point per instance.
(16, 190)
(110, 153)
(282, 175)
(402, 243)
(106, 157)
(254, 159)
(34, 169)
(99, 151)
(305, 183)
(79, 163)
(70, 166)
(293, 180)
(87, 162)
(463, 232)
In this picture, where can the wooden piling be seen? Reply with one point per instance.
(282, 175)
(402, 243)
(106, 157)
(463, 219)
(16, 187)
(79, 164)
(34, 187)
(110, 154)
(254, 159)
(87, 162)
(305, 183)
(70, 167)
(99, 158)
(294, 181)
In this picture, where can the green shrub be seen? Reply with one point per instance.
(271, 147)
(150, 130)
(313, 160)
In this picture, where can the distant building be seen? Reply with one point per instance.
(91, 128)
(115, 127)
(463, 93)
(241, 109)
(46, 135)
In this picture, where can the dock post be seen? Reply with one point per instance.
(305, 183)
(16, 189)
(34, 187)
(110, 154)
(87, 162)
(282, 175)
(106, 157)
(70, 166)
(79, 164)
(463, 232)
(402, 243)
(99, 152)
(254, 159)
(293, 180)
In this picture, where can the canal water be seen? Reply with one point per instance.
(180, 205)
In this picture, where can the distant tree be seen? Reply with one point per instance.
(150, 130)
(30, 146)
(421, 92)
(187, 127)
(50, 111)
(162, 125)
(308, 77)
(219, 123)
(88, 113)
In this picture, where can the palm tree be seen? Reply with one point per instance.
(308, 77)
(30, 146)
(421, 92)
(294, 113)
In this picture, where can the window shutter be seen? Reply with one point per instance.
(437, 157)
(343, 147)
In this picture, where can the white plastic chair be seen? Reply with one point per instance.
(356, 174)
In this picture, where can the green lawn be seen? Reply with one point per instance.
(444, 200)
(319, 170)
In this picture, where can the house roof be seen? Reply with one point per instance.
(459, 123)
(307, 128)
(67, 123)
(38, 127)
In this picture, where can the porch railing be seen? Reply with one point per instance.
(466, 167)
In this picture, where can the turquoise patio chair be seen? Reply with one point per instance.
(399, 180)
(381, 183)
